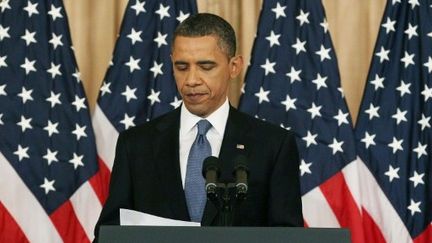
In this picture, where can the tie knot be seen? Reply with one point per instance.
(203, 126)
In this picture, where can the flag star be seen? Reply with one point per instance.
(320, 81)
(324, 53)
(25, 123)
(383, 54)
(372, 111)
(303, 17)
(427, 64)
(77, 75)
(279, 10)
(389, 25)
(54, 99)
(396, 145)
(378, 82)
(129, 94)
(3, 61)
(182, 16)
(28, 65)
(139, 7)
(417, 178)
(156, 69)
(392, 173)
(25, 95)
(395, 1)
(341, 117)
(4, 32)
(50, 156)
(161, 39)
(368, 139)
(411, 31)
(2, 90)
(282, 126)
(79, 103)
(414, 207)
(413, 3)
(105, 88)
(399, 116)
(56, 40)
(273, 39)
(430, 34)
(176, 103)
(299, 46)
(310, 139)
(163, 11)
(262, 95)
(4, 5)
(135, 36)
(154, 97)
(289, 103)
(128, 121)
(315, 110)
(408, 59)
(1, 121)
(31, 8)
(29, 37)
(294, 74)
(427, 93)
(51, 128)
(336, 146)
(55, 12)
(424, 122)
(79, 131)
(133, 64)
(404, 88)
(268, 67)
(48, 186)
(54, 70)
(305, 168)
(420, 150)
(77, 160)
(21, 152)
(325, 25)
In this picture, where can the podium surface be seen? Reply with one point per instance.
(160, 234)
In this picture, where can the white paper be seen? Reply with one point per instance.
(132, 217)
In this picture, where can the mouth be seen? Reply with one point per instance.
(195, 97)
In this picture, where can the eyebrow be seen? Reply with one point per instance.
(203, 62)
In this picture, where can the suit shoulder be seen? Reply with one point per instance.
(265, 126)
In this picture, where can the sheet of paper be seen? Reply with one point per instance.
(132, 217)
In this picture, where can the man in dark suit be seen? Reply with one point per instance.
(152, 165)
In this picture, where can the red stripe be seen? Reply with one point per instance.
(67, 224)
(100, 181)
(305, 224)
(426, 236)
(373, 232)
(9, 229)
(341, 201)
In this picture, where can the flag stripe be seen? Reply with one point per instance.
(68, 225)
(316, 210)
(338, 195)
(373, 234)
(24, 204)
(425, 237)
(12, 231)
(87, 206)
(100, 181)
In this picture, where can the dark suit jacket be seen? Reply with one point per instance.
(146, 172)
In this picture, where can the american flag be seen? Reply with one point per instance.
(48, 160)
(293, 81)
(393, 132)
(139, 84)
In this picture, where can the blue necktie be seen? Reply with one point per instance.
(194, 184)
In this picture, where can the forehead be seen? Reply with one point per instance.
(196, 46)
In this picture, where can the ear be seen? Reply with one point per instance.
(236, 66)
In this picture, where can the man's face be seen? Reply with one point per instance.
(202, 71)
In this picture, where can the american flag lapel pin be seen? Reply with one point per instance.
(240, 146)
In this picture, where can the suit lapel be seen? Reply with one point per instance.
(166, 147)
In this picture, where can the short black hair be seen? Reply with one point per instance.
(204, 24)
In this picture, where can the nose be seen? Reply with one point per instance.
(192, 78)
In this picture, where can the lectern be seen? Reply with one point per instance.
(165, 234)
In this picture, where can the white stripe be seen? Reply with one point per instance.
(87, 208)
(316, 210)
(352, 179)
(23, 206)
(380, 209)
(106, 136)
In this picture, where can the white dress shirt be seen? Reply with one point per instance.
(189, 130)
